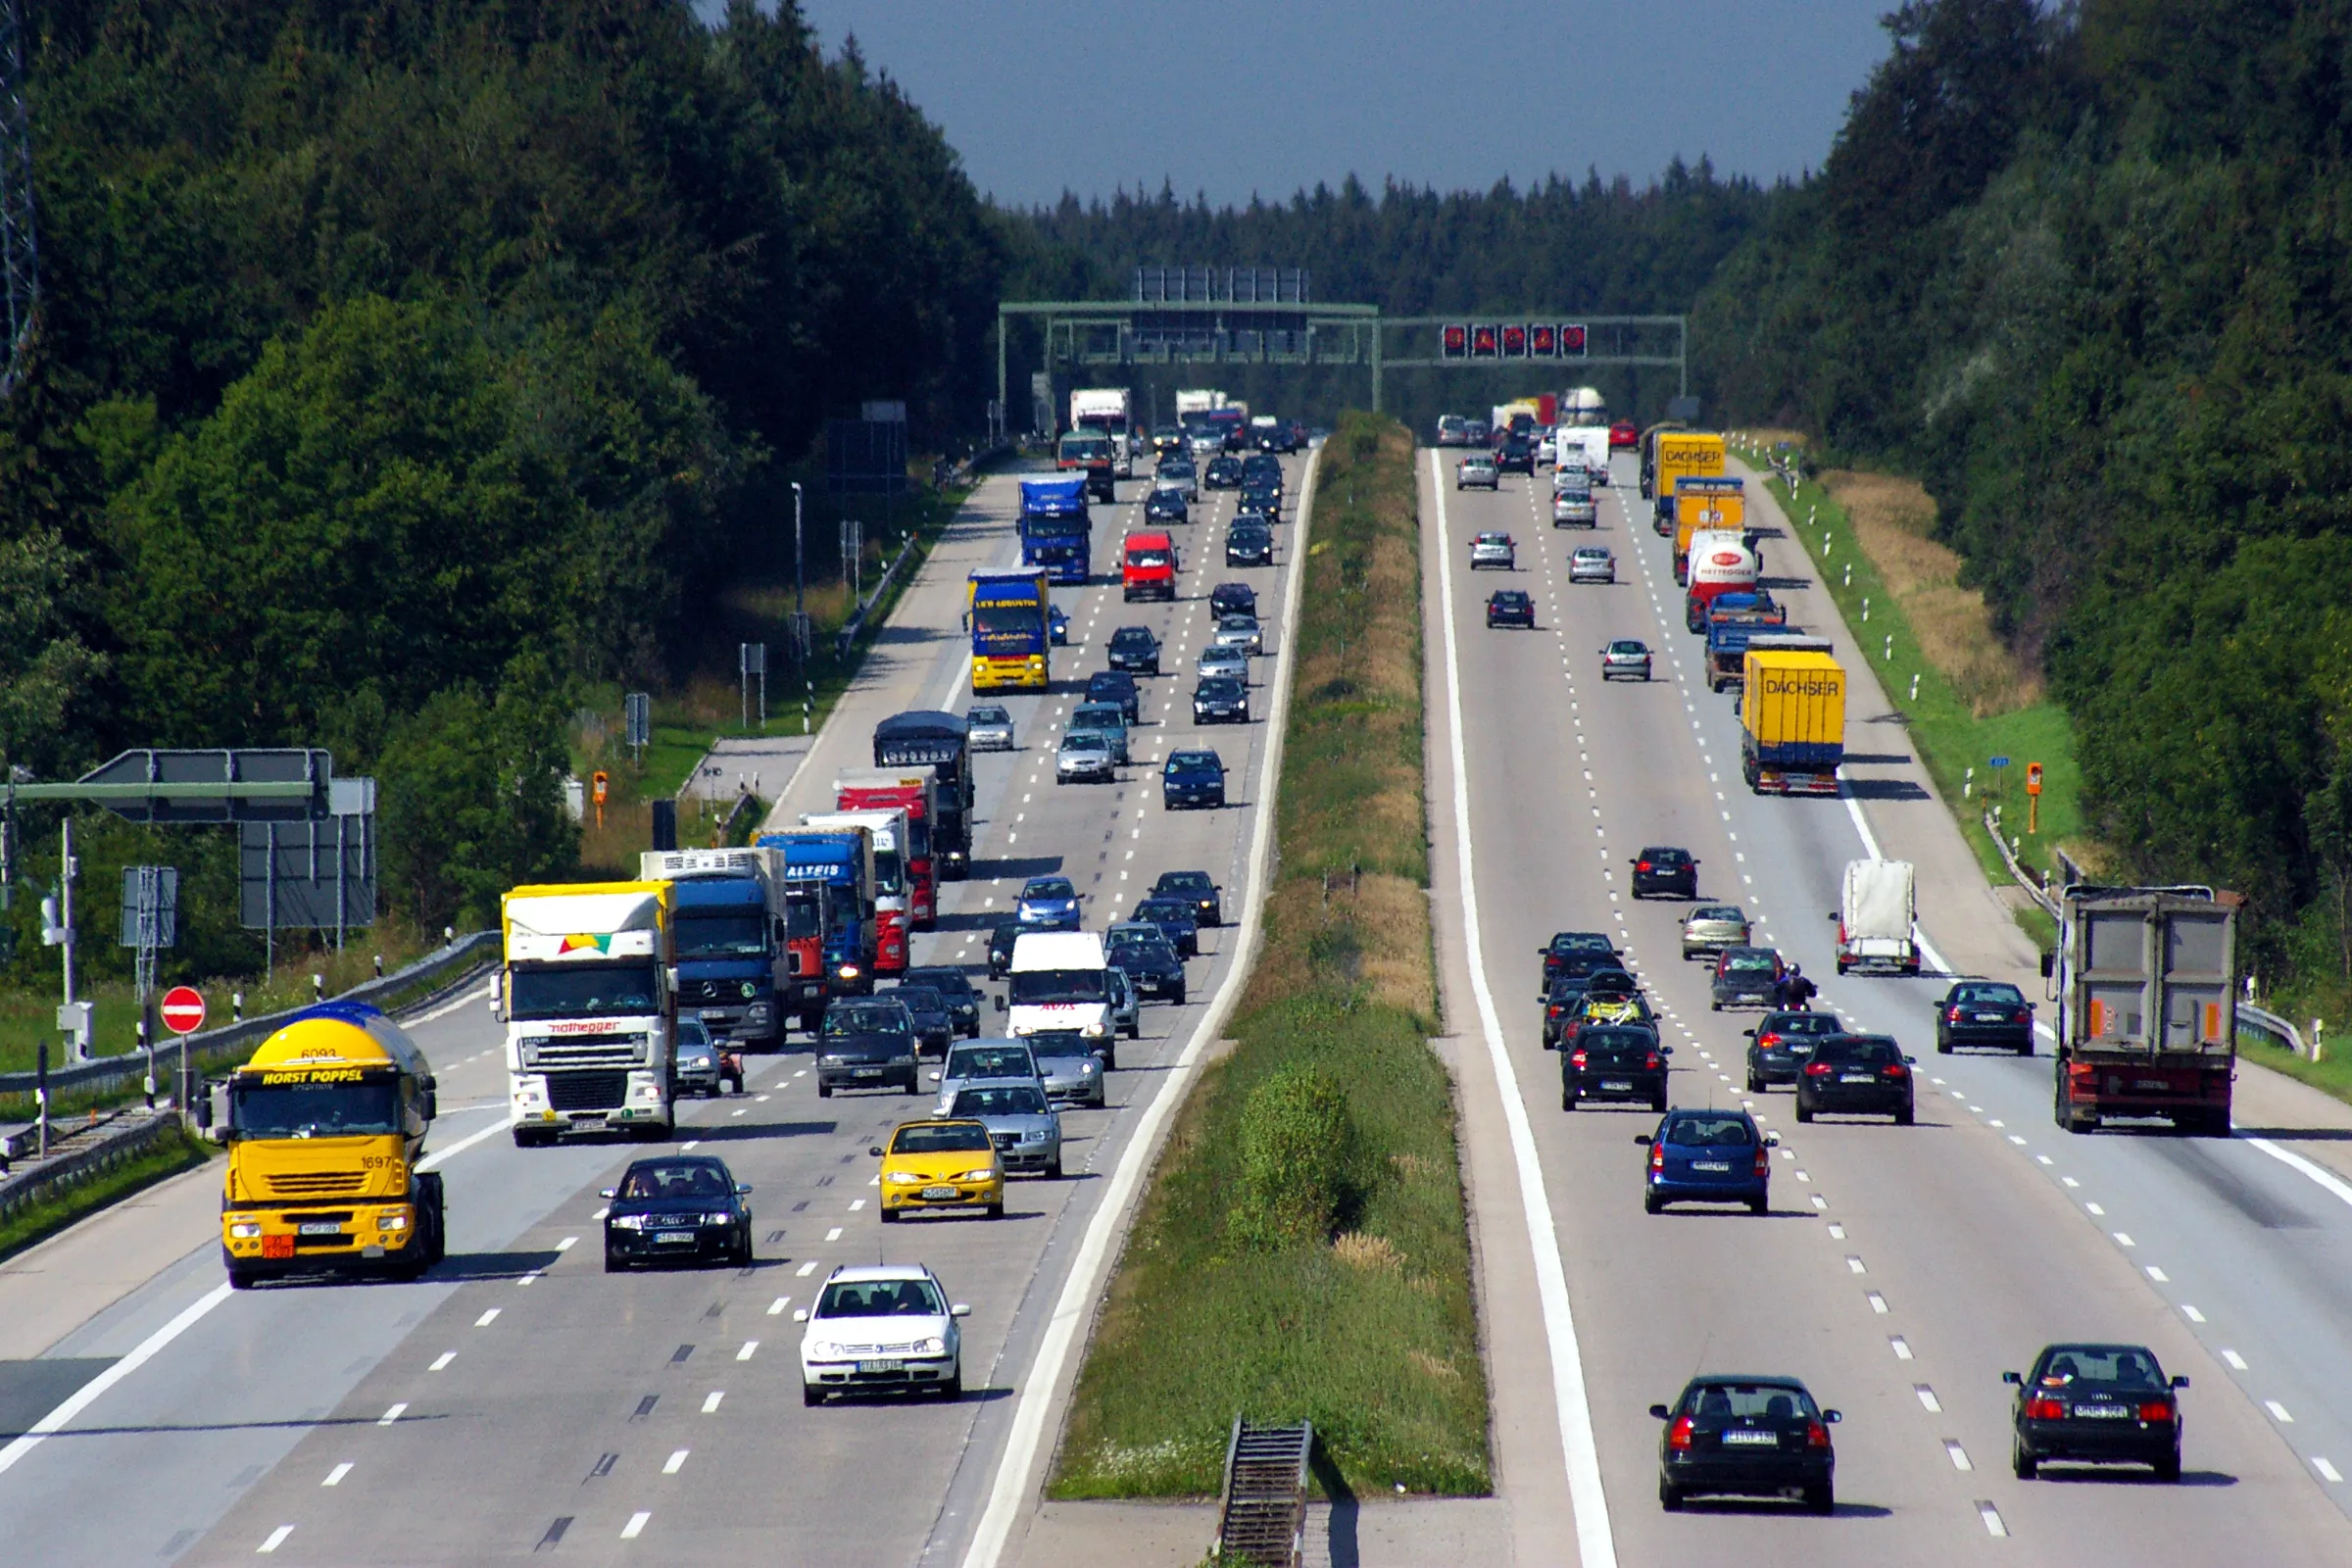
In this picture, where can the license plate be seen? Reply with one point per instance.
(1757, 1440)
(320, 1227)
(1617, 1086)
(2151, 1082)
(1710, 1164)
(666, 1238)
(939, 1191)
(1853, 1078)
(881, 1366)
(1990, 1017)
(2102, 1412)
(869, 1072)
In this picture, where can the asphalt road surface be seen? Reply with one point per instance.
(520, 1402)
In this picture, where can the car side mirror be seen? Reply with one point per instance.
(1751, 1033)
(961, 1309)
(608, 1192)
(2179, 1383)
(1910, 1061)
(800, 1315)
(2013, 1378)
(1658, 1412)
(1771, 1140)
(1831, 1418)
(429, 1105)
(876, 1151)
(2049, 964)
(1665, 1050)
(1831, 915)
(743, 1188)
(1001, 1004)
(1642, 1139)
(933, 1075)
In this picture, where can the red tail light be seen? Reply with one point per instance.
(1651, 1066)
(1817, 1069)
(1763, 1162)
(2156, 1410)
(1643, 866)
(1817, 1436)
(1658, 1157)
(1897, 1070)
(1768, 1042)
(1677, 1436)
(1952, 1016)
(1577, 1061)
(2041, 1409)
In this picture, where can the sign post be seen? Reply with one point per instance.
(2032, 797)
(182, 1012)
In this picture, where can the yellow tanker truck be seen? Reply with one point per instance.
(325, 1126)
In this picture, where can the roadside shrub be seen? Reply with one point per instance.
(1298, 1159)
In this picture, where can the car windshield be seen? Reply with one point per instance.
(680, 1179)
(1614, 1040)
(1582, 942)
(988, 715)
(1183, 882)
(867, 1021)
(920, 998)
(1148, 557)
(1044, 988)
(2129, 1366)
(1747, 963)
(948, 983)
(1086, 740)
(1220, 687)
(991, 1062)
(1097, 716)
(1720, 912)
(1009, 1100)
(1194, 762)
(1708, 1132)
(1163, 909)
(1747, 1401)
(1048, 886)
(940, 1138)
(1131, 637)
(1627, 646)
(691, 1033)
(1799, 1023)
(880, 1298)
(1989, 995)
(1122, 942)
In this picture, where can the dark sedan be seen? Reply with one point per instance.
(1220, 700)
(1192, 779)
(1178, 920)
(1855, 1075)
(955, 989)
(1222, 473)
(1661, 870)
(1248, 544)
(1778, 1046)
(1206, 898)
(1745, 977)
(1615, 1062)
(1231, 599)
(1708, 1156)
(865, 1043)
(1000, 948)
(1148, 958)
(1568, 948)
(1511, 606)
(934, 1019)
(1747, 1436)
(1985, 1013)
(1262, 497)
(1116, 686)
(677, 1207)
(1135, 650)
(2096, 1404)
(1517, 456)
(1167, 506)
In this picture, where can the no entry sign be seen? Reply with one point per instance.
(183, 1009)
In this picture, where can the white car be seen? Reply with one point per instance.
(1494, 550)
(1219, 660)
(1476, 472)
(988, 727)
(1592, 564)
(889, 1327)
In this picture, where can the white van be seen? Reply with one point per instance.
(1061, 980)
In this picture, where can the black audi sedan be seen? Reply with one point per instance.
(677, 1207)
(1616, 1061)
(1135, 650)
(1206, 895)
(2096, 1404)
(1747, 1436)
(1248, 544)
(1861, 1076)
(1664, 870)
(1985, 1013)
(1511, 606)
(1220, 700)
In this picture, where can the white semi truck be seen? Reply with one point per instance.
(586, 994)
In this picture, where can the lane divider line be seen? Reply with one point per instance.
(83, 1398)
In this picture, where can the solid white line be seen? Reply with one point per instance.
(1595, 1542)
(1009, 1492)
(2294, 1161)
(83, 1398)
(442, 1156)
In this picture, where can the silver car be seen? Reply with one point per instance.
(1572, 504)
(1071, 1070)
(1494, 550)
(1181, 478)
(1126, 1006)
(1712, 927)
(1020, 1121)
(1085, 753)
(1476, 472)
(1109, 720)
(698, 1070)
(984, 1062)
(1627, 657)
(1219, 660)
(1239, 631)
(1592, 564)
(987, 728)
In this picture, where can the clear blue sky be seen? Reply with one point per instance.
(1044, 95)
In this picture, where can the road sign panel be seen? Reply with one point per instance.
(182, 1009)
(2001, 761)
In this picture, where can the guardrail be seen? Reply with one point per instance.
(2264, 1021)
(2024, 879)
(854, 627)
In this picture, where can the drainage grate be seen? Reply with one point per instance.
(1262, 1517)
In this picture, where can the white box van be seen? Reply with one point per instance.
(1061, 980)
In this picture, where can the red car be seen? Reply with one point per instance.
(1624, 435)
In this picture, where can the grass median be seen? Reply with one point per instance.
(1303, 1252)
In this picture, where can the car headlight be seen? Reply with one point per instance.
(987, 1173)
(847, 971)
(758, 1012)
(934, 1345)
(902, 1178)
(629, 1222)
(697, 1062)
(1087, 1068)
(832, 1059)
(391, 1222)
(719, 1218)
(245, 1230)
(821, 1350)
(1035, 1135)
(1095, 1031)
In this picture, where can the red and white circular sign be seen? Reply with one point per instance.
(183, 1009)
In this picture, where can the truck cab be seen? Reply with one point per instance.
(732, 961)
(837, 868)
(326, 1125)
(588, 1001)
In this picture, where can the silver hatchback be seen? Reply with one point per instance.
(1020, 1121)
(1628, 657)
(1592, 564)
(1494, 550)
(1712, 927)
(987, 728)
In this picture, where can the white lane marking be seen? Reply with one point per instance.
(487, 1318)
(2327, 1472)
(2297, 1162)
(856, 1203)
(2278, 1412)
(711, 1400)
(2070, 1181)
(527, 1279)
(1985, 1510)
(675, 1462)
(749, 1348)
(2191, 1313)
(2123, 1238)
(636, 1525)
(1900, 1347)
(2236, 1361)
(84, 1397)
(2044, 1160)
(1596, 1542)
(2094, 1210)
(1959, 1455)
(833, 1235)
(1926, 1398)
(334, 1477)
(568, 1243)
(1877, 1303)
(441, 1361)
(1854, 1263)
(394, 1414)
(1837, 1232)
(775, 1309)
(277, 1539)
(690, 1144)
(2159, 1275)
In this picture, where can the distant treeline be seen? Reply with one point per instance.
(2085, 269)
(404, 368)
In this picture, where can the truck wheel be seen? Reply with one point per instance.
(437, 1205)
(240, 1279)
(824, 1091)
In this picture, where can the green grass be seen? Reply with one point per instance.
(172, 1153)
(1950, 738)
(2332, 1074)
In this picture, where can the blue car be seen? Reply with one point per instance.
(1708, 1156)
(1192, 778)
(1048, 904)
(1058, 625)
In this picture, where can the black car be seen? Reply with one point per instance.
(1148, 958)
(934, 1019)
(955, 989)
(1248, 544)
(865, 1043)
(1860, 1075)
(1985, 1013)
(1747, 1436)
(1231, 599)
(1517, 456)
(1220, 700)
(1511, 606)
(1207, 899)
(1663, 870)
(1135, 650)
(1565, 946)
(1747, 977)
(677, 1207)
(1191, 780)
(1000, 948)
(1178, 920)
(1116, 686)
(1222, 473)
(1260, 466)
(1262, 497)
(1615, 1062)
(1778, 1046)
(1167, 506)
(2098, 1404)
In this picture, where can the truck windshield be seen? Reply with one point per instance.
(888, 877)
(1007, 620)
(802, 916)
(583, 989)
(1042, 987)
(727, 934)
(317, 1111)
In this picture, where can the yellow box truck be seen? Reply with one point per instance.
(325, 1126)
(1677, 455)
(1791, 717)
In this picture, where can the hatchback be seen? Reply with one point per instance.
(1747, 1436)
(2099, 1405)
(1167, 506)
(1712, 927)
(881, 1328)
(1565, 946)
(682, 1208)
(988, 727)
(955, 988)
(1233, 599)
(1107, 720)
(1148, 959)
(1745, 977)
(1779, 1042)
(1627, 657)
(1476, 472)
(1222, 473)
(1192, 779)
(1623, 435)
(1178, 474)
(1662, 870)
(1085, 755)
(982, 1060)
(1592, 563)
(1116, 686)
(934, 1019)
(1206, 897)
(1861, 1076)
(1047, 904)
(1135, 650)
(1985, 1013)
(940, 1165)
(1511, 606)
(1494, 550)
(1001, 939)
(1708, 1156)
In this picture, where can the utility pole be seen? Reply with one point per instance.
(799, 584)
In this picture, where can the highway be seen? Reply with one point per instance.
(519, 1401)
(1901, 1269)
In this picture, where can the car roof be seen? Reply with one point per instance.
(1762, 1380)
(934, 973)
(1167, 875)
(643, 1160)
(1205, 759)
(859, 1273)
(1660, 851)
(995, 1082)
(1132, 631)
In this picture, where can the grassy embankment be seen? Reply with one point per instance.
(1303, 1250)
(1964, 696)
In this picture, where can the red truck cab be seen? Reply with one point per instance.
(1147, 566)
(915, 791)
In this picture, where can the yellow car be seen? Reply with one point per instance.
(940, 1165)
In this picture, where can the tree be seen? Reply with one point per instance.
(45, 668)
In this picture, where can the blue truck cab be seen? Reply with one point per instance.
(842, 864)
(1056, 532)
(727, 944)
